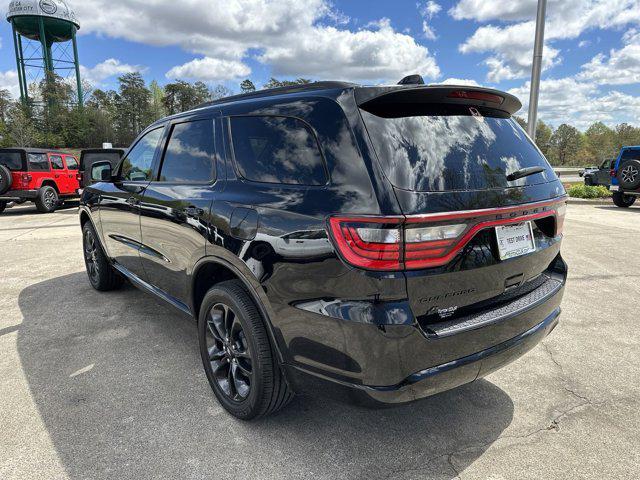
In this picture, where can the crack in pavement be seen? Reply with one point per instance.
(554, 425)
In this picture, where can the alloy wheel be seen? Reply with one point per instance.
(228, 352)
(49, 198)
(629, 174)
(90, 256)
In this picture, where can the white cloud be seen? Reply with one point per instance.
(512, 49)
(295, 38)
(485, 10)
(366, 54)
(9, 81)
(107, 69)
(566, 100)
(510, 46)
(428, 10)
(459, 81)
(209, 69)
(584, 43)
(620, 67)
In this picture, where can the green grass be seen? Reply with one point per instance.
(584, 191)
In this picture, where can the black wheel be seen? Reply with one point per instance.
(629, 174)
(622, 200)
(6, 179)
(102, 275)
(3, 205)
(588, 181)
(47, 199)
(238, 359)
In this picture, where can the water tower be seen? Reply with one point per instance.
(43, 33)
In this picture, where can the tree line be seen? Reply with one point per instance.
(52, 119)
(566, 145)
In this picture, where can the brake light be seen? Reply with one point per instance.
(426, 241)
(474, 95)
(374, 243)
(561, 213)
(613, 172)
(25, 179)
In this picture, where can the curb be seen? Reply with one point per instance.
(589, 201)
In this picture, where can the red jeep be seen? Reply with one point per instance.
(45, 177)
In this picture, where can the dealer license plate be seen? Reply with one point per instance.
(515, 240)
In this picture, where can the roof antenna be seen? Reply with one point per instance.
(412, 80)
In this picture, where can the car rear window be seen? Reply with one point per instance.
(38, 162)
(450, 147)
(189, 157)
(273, 149)
(12, 160)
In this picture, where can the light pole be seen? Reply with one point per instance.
(536, 69)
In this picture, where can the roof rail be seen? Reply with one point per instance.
(269, 92)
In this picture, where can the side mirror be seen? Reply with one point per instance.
(101, 172)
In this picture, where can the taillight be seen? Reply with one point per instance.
(613, 172)
(561, 213)
(25, 178)
(474, 95)
(432, 240)
(373, 243)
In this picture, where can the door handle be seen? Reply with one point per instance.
(193, 211)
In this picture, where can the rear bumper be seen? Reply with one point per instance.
(432, 380)
(389, 364)
(12, 195)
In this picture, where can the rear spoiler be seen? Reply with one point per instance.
(372, 97)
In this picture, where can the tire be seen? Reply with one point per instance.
(588, 181)
(238, 359)
(47, 199)
(622, 200)
(5, 179)
(3, 205)
(629, 175)
(102, 276)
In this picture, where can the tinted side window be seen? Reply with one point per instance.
(631, 154)
(277, 150)
(137, 165)
(56, 162)
(189, 157)
(72, 163)
(38, 162)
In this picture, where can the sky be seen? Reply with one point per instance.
(591, 66)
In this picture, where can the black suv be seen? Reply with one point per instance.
(380, 244)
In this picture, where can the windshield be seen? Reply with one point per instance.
(435, 148)
(12, 160)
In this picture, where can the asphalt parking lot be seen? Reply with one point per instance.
(111, 385)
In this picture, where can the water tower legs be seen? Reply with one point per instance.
(76, 61)
(22, 80)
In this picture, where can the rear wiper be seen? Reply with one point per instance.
(524, 172)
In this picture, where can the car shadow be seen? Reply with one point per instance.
(631, 209)
(118, 384)
(70, 207)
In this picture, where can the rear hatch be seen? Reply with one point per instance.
(474, 235)
(89, 157)
(15, 161)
